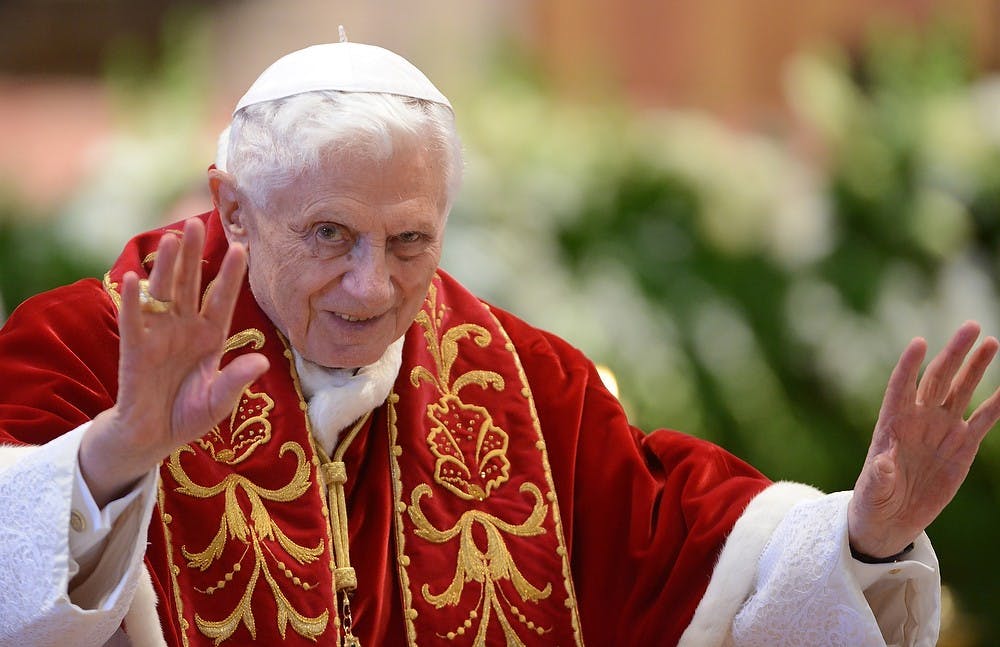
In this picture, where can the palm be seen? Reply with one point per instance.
(173, 365)
(169, 382)
(923, 446)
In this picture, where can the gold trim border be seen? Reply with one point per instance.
(402, 559)
(551, 494)
(166, 518)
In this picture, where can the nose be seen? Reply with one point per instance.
(367, 278)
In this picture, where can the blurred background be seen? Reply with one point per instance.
(742, 210)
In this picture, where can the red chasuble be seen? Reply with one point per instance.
(498, 497)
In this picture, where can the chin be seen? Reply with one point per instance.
(353, 358)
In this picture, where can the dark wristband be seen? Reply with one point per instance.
(868, 559)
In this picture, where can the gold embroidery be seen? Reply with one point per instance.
(111, 288)
(486, 567)
(395, 451)
(471, 451)
(253, 532)
(249, 427)
(151, 257)
(471, 462)
(248, 337)
(174, 570)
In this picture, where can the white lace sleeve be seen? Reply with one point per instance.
(786, 577)
(36, 486)
(808, 589)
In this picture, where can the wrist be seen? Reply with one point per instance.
(109, 463)
(864, 558)
(875, 538)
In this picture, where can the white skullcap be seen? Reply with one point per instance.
(348, 67)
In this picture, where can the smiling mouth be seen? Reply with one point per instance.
(351, 318)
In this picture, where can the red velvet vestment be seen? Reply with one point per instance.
(642, 517)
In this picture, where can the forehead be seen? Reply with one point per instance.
(404, 177)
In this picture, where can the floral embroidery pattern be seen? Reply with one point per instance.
(262, 537)
(471, 451)
(487, 567)
(249, 427)
(471, 463)
(264, 543)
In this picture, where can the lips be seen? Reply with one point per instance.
(351, 318)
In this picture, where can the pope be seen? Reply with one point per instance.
(280, 422)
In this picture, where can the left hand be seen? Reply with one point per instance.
(923, 446)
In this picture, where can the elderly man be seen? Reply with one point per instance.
(347, 447)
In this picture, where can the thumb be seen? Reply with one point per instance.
(231, 380)
(881, 481)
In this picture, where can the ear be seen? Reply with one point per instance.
(225, 198)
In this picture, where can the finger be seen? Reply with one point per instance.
(984, 417)
(187, 271)
(968, 378)
(225, 289)
(232, 379)
(901, 388)
(129, 315)
(163, 267)
(936, 382)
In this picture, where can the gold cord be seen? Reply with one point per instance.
(334, 474)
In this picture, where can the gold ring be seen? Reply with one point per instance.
(149, 303)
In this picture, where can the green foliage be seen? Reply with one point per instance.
(32, 261)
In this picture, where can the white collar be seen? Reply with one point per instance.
(338, 397)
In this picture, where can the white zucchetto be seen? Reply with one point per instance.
(344, 66)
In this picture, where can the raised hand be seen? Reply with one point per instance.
(923, 445)
(170, 388)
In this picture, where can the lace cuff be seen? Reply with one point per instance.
(35, 495)
(735, 573)
(809, 591)
(786, 577)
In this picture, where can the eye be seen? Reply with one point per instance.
(330, 233)
(408, 237)
(410, 244)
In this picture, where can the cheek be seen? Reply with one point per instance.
(280, 267)
(300, 292)
(281, 281)
(414, 279)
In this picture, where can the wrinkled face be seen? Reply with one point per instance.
(342, 258)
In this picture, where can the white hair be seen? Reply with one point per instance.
(268, 144)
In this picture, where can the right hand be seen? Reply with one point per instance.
(170, 389)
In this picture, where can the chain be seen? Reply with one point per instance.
(347, 620)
